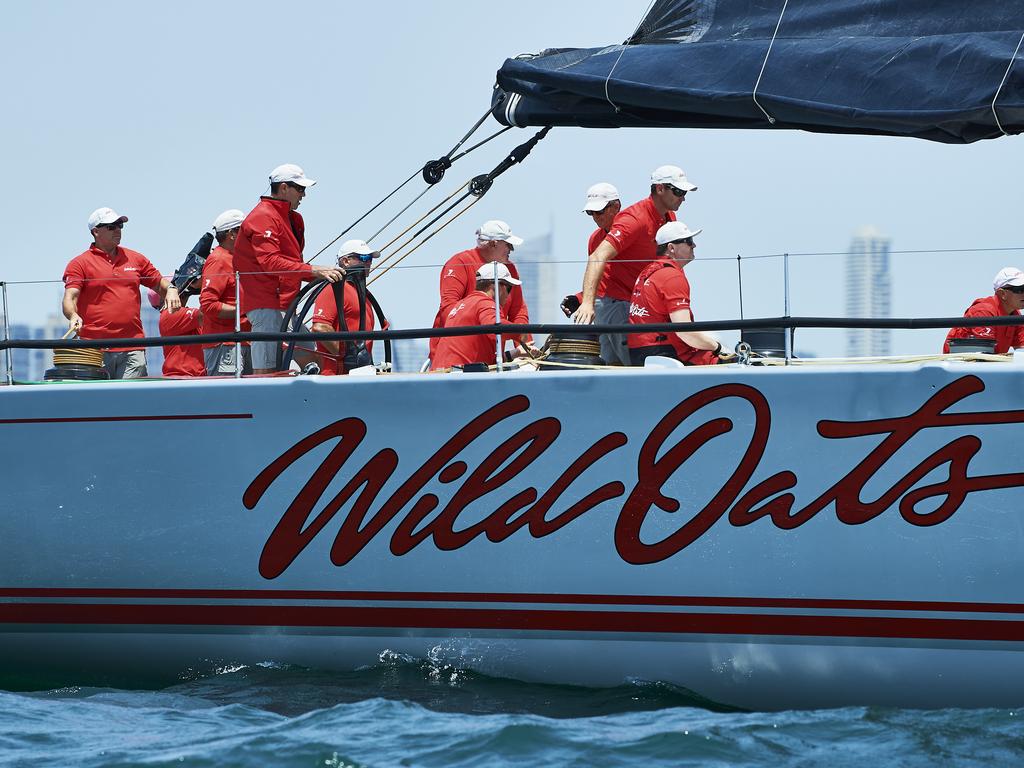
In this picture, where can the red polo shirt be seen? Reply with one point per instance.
(475, 309)
(1006, 336)
(596, 238)
(632, 234)
(109, 302)
(268, 255)
(661, 289)
(325, 310)
(458, 280)
(218, 289)
(182, 360)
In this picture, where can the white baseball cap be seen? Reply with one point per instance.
(495, 270)
(357, 247)
(498, 230)
(674, 230)
(599, 195)
(672, 174)
(1008, 276)
(105, 216)
(230, 219)
(290, 173)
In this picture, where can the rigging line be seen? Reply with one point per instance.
(494, 135)
(470, 133)
(999, 90)
(765, 63)
(607, 95)
(421, 194)
(739, 274)
(353, 224)
(415, 223)
(427, 238)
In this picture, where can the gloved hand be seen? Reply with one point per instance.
(569, 305)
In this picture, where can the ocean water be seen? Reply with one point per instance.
(409, 712)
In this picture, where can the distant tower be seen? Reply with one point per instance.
(868, 292)
(540, 279)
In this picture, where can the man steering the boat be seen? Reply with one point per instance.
(340, 357)
(614, 265)
(494, 243)
(1007, 300)
(101, 293)
(268, 258)
(662, 295)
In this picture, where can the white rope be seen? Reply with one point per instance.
(999, 90)
(607, 96)
(765, 62)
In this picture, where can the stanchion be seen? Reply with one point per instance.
(498, 347)
(788, 332)
(7, 337)
(238, 325)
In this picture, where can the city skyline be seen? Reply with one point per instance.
(868, 292)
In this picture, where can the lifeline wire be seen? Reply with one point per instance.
(765, 63)
(999, 90)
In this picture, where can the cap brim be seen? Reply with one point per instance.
(1016, 282)
(510, 281)
(596, 205)
(696, 232)
(514, 241)
(304, 182)
(688, 187)
(122, 219)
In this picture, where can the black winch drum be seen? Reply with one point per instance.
(76, 372)
(768, 342)
(972, 344)
(572, 349)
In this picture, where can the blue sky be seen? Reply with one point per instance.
(171, 113)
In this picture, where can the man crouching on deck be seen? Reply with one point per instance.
(661, 295)
(477, 308)
(1007, 299)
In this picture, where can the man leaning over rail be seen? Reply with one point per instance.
(477, 308)
(101, 293)
(268, 258)
(613, 267)
(661, 295)
(217, 298)
(1007, 299)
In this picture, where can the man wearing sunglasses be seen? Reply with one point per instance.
(1007, 299)
(268, 258)
(101, 293)
(603, 205)
(662, 295)
(338, 357)
(614, 265)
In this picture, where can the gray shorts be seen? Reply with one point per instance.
(220, 360)
(126, 365)
(614, 346)
(264, 353)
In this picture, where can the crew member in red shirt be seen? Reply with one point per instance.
(476, 308)
(217, 298)
(339, 357)
(494, 242)
(1007, 300)
(268, 258)
(180, 359)
(662, 295)
(615, 264)
(603, 205)
(101, 293)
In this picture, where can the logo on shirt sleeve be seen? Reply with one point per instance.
(451, 273)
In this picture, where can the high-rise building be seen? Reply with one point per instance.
(868, 292)
(540, 279)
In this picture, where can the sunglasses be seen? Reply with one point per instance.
(366, 258)
(297, 187)
(685, 241)
(1018, 289)
(675, 190)
(598, 213)
(115, 225)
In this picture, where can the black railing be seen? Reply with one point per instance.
(509, 329)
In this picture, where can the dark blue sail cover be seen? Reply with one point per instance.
(925, 68)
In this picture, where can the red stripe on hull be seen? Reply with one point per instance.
(536, 620)
(511, 597)
(176, 417)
